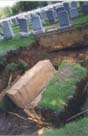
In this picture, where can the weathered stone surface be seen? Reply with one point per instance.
(31, 84)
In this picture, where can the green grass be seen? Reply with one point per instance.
(61, 86)
(21, 42)
(15, 43)
(81, 20)
(76, 128)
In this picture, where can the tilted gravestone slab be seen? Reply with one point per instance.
(64, 21)
(24, 29)
(15, 21)
(50, 16)
(29, 86)
(43, 14)
(73, 12)
(84, 7)
(74, 4)
(58, 9)
(37, 24)
(7, 29)
(66, 6)
(1, 38)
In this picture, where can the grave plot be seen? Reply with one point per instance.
(22, 59)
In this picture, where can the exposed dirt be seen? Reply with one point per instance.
(31, 55)
(11, 125)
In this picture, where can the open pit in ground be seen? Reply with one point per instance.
(30, 56)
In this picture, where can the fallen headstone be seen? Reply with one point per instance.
(29, 86)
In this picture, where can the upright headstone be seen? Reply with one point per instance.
(1, 38)
(39, 14)
(37, 24)
(73, 12)
(43, 14)
(66, 6)
(64, 21)
(7, 29)
(15, 21)
(24, 29)
(58, 9)
(50, 16)
(55, 13)
(84, 7)
(74, 4)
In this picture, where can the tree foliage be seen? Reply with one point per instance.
(27, 5)
(5, 12)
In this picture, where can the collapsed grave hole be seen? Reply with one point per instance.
(30, 57)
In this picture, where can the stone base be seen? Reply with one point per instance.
(1, 38)
(64, 27)
(51, 30)
(10, 37)
(39, 31)
(24, 34)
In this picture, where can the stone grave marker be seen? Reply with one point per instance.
(7, 29)
(24, 29)
(74, 4)
(84, 7)
(30, 85)
(66, 6)
(73, 12)
(50, 16)
(64, 21)
(43, 14)
(58, 9)
(14, 21)
(1, 38)
(37, 24)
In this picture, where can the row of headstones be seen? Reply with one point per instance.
(24, 27)
(38, 28)
(53, 12)
(70, 7)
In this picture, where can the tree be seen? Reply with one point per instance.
(27, 5)
(5, 12)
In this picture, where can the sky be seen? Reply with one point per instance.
(4, 3)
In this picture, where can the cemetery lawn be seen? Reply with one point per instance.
(81, 20)
(16, 43)
(22, 42)
(76, 128)
(61, 86)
